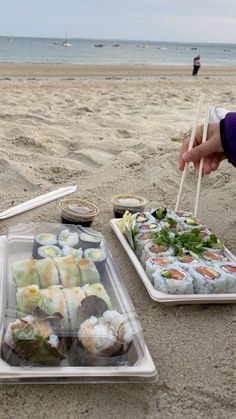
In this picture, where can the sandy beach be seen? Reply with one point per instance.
(112, 131)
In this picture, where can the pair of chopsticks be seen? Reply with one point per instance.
(204, 136)
(36, 202)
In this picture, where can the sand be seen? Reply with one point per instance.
(112, 134)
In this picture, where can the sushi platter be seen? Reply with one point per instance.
(177, 258)
(66, 316)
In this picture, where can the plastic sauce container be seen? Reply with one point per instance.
(78, 211)
(131, 203)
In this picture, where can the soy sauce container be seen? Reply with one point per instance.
(78, 211)
(131, 203)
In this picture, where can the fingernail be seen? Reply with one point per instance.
(186, 157)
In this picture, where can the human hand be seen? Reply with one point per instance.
(212, 150)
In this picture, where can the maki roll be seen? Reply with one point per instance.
(89, 240)
(208, 279)
(103, 340)
(34, 340)
(98, 256)
(75, 254)
(185, 261)
(99, 291)
(154, 264)
(173, 280)
(48, 252)
(210, 258)
(24, 273)
(229, 268)
(47, 272)
(140, 240)
(155, 250)
(43, 239)
(66, 238)
(69, 274)
(148, 227)
(88, 271)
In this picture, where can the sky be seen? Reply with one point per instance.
(157, 20)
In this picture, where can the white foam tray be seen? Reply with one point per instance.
(170, 299)
(141, 370)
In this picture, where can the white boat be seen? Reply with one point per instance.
(66, 43)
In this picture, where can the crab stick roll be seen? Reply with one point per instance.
(173, 280)
(155, 263)
(153, 250)
(208, 279)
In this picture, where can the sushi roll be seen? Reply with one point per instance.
(47, 272)
(69, 273)
(73, 297)
(99, 291)
(229, 268)
(24, 273)
(48, 252)
(75, 254)
(67, 238)
(154, 263)
(143, 217)
(43, 239)
(103, 340)
(34, 340)
(148, 227)
(173, 280)
(89, 240)
(155, 250)
(210, 258)
(140, 240)
(208, 279)
(98, 256)
(88, 271)
(185, 261)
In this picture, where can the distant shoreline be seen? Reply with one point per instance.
(61, 70)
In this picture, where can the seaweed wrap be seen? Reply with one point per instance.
(47, 273)
(67, 238)
(44, 252)
(69, 274)
(73, 297)
(99, 291)
(34, 340)
(173, 280)
(24, 273)
(103, 340)
(88, 271)
(89, 240)
(43, 239)
(208, 279)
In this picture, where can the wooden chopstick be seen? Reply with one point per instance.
(204, 137)
(200, 104)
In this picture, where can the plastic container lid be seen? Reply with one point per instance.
(77, 209)
(128, 202)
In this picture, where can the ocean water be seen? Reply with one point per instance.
(114, 52)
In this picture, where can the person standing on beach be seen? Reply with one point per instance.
(196, 65)
(220, 145)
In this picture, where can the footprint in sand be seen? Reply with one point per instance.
(94, 157)
(124, 133)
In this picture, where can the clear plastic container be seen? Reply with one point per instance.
(62, 319)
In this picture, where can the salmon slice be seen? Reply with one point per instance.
(207, 272)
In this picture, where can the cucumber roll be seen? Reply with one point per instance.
(24, 273)
(89, 240)
(154, 264)
(98, 256)
(208, 280)
(75, 254)
(67, 238)
(88, 271)
(43, 239)
(47, 272)
(173, 280)
(44, 252)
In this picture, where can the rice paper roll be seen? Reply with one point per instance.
(69, 274)
(208, 279)
(24, 273)
(99, 291)
(88, 271)
(28, 298)
(47, 272)
(173, 280)
(73, 297)
(54, 302)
